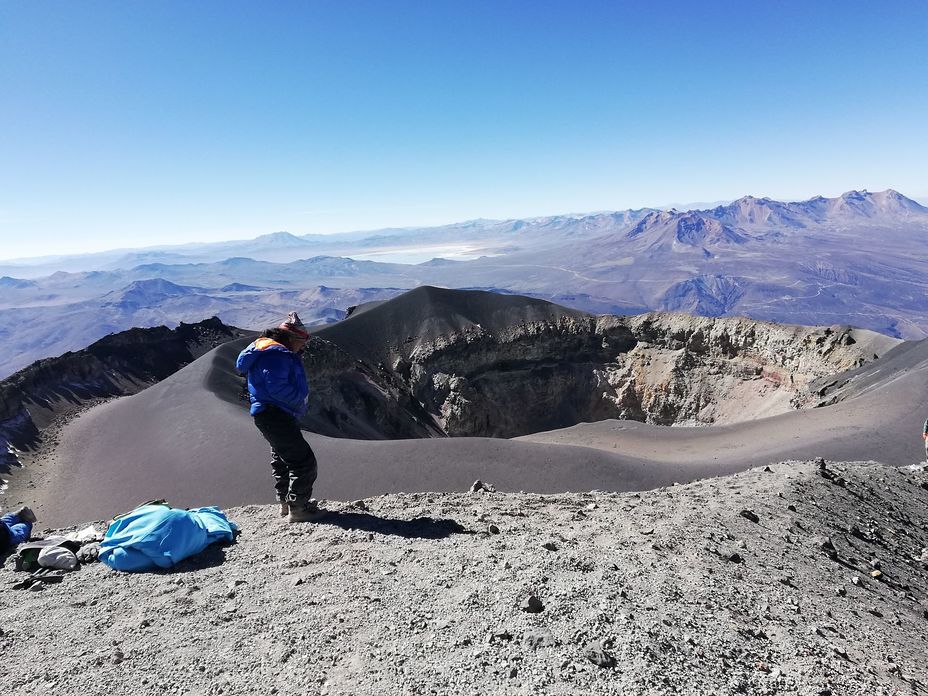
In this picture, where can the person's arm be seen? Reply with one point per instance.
(303, 388)
(925, 432)
(240, 360)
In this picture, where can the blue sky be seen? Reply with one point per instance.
(127, 124)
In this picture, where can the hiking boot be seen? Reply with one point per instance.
(305, 512)
(26, 514)
(284, 508)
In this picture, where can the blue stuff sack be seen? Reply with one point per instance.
(156, 536)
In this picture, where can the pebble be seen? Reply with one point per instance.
(532, 605)
(825, 544)
(500, 634)
(538, 638)
(596, 653)
(750, 515)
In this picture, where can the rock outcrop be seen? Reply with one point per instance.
(698, 370)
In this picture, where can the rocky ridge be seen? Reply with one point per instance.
(804, 578)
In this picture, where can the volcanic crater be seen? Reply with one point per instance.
(436, 362)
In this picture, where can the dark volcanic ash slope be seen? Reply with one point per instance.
(117, 365)
(736, 585)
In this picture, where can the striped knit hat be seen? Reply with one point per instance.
(294, 326)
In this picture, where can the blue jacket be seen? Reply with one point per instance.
(275, 377)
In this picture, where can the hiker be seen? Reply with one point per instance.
(15, 528)
(925, 437)
(278, 392)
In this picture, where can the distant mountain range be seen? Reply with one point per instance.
(860, 258)
(481, 235)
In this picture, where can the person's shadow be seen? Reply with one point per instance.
(417, 528)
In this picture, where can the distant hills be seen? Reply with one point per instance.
(48, 324)
(860, 258)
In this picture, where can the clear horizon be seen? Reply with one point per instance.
(140, 125)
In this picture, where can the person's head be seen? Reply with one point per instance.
(291, 333)
(4, 537)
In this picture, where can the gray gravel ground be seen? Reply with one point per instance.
(672, 591)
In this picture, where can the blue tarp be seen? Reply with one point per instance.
(156, 536)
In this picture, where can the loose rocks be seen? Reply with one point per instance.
(428, 608)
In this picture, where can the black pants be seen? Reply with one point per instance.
(292, 458)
